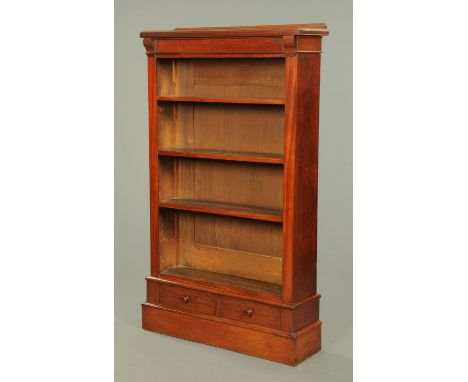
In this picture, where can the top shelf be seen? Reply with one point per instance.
(254, 101)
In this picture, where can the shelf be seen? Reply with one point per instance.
(256, 101)
(223, 279)
(239, 156)
(227, 209)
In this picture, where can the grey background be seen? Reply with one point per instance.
(145, 356)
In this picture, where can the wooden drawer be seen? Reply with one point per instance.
(251, 312)
(186, 299)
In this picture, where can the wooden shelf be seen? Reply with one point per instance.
(239, 156)
(227, 209)
(256, 101)
(223, 279)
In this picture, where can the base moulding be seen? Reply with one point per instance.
(274, 345)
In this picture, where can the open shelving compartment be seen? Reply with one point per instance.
(220, 170)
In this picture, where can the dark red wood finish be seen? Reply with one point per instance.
(300, 177)
(225, 209)
(271, 344)
(153, 155)
(224, 155)
(263, 319)
(253, 101)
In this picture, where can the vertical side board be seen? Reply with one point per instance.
(153, 157)
(300, 176)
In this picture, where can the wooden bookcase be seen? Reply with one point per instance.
(233, 136)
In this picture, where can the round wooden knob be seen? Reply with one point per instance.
(186, 299)
(248, 312)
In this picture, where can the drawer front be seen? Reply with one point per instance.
(186, 299)
(251, 312)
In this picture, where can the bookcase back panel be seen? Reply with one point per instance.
(239, 235)
(232, 77)
(225, 127)
(226, 245)
(249, 184)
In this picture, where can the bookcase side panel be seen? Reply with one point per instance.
(301, 171)
(288, 177)
(153, 164)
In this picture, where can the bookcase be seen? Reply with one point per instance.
(233, 154)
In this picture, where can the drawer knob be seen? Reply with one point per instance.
(186, 299)
(248, 312)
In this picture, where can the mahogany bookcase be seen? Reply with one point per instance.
(233, 154)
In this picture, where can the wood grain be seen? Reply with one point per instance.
(301, 175)
(226, 209)
(264, 315)
(222, 290)
(237, 338)
(242, 235)
(236, 128)
(212, 45)
(227, 261)
(309, 44)
(268, 344)
(221, 244)
(153, 164)
(238, 156)
(233, 136)
(308, 343)
(152, 292)
(253, 101)
(301, 315)
(318, 29)
(267, 27)
(196, 301)
(222, 280)
(216, 80)
(254, 185)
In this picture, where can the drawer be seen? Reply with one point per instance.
(186, 299)
(251, 312)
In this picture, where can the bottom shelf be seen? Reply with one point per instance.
(223, 279)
